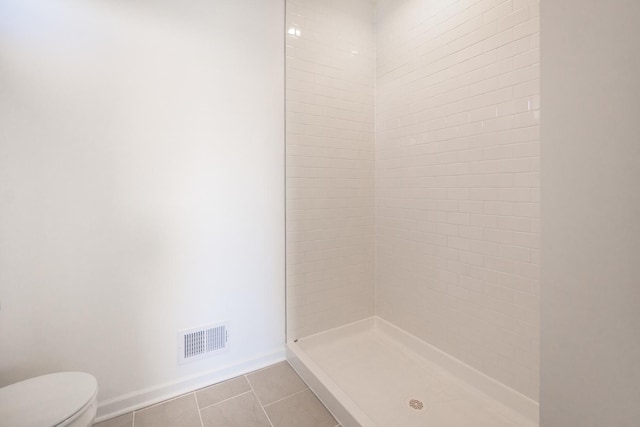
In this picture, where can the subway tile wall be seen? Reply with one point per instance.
(457, 179)
(330, 163)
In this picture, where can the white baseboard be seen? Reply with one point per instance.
(149, 396)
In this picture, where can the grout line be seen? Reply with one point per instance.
(285, 398)
(265, 412)
(195, 395)
(227, 399)
(252, 389)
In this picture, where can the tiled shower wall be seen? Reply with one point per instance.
(456, 166)
(330, 163)
(457, 179)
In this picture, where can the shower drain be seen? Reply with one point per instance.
(416, 404)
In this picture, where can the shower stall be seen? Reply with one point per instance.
(412, 144)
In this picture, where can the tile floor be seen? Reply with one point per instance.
(271, 397)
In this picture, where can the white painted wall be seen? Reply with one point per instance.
(590, 214)
(141, 186)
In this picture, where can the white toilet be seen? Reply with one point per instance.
(64, 399)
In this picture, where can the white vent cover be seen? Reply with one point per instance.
(198, 343)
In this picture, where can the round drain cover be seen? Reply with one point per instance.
(416, 404)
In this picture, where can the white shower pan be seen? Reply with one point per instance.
(373, 374)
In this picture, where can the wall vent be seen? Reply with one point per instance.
(198, 343)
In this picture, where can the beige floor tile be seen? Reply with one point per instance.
(222, 391)
(300, 410)
(125, 420)
(180, 412)
(275, 382)
(241, 411)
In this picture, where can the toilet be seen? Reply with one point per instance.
(64, 399)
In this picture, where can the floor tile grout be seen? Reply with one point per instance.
(199, 410)
(285, 398)
(254, 390)
(265, 412)
(226, 400)
(281, 399)
(135, 414)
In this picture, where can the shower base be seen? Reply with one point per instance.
(373, 374)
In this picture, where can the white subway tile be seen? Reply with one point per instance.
(456, 206)
(330, 152)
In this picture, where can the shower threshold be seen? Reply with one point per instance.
(372, 374)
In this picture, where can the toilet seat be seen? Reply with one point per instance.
(49, 400)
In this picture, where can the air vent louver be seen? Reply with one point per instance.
(197, 343)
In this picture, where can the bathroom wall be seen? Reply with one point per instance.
(591, 214)
(457, 180)
(330, 67)
(141, 189)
